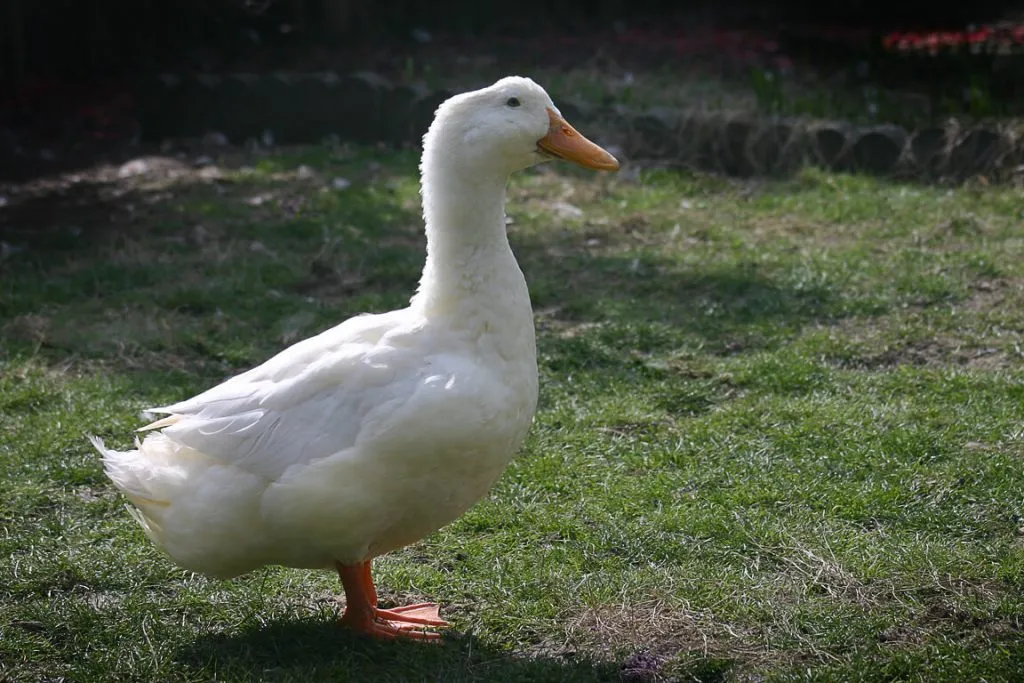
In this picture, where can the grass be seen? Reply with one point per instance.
(780, 435)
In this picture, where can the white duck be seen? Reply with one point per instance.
(377, 432)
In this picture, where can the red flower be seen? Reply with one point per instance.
(988, 38)
(953, 38)
(910, 41)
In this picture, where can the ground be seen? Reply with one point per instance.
(780, 432)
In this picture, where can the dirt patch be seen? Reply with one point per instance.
(991, 294)
(956, 233)
(547, 320)
(656, 641)
(941, 351)
(31, 327)
(947, 616)
(653, 640)
(768, 230)
(988, 302)
(642, 666)
(105, 197)
(64, 213)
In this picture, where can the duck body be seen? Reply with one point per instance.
(345, 446)
(379, 431)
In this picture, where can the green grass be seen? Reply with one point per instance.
(780, 436)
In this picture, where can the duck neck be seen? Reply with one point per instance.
(470, 266)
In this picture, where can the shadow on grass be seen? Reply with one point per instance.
(61, 218)
(317, 649)
(108, 245)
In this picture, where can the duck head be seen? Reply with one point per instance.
(507, 127)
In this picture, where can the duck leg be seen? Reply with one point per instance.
(363, 615)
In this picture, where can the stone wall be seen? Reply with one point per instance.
(364, 107)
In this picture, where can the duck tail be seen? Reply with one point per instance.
(143, 480)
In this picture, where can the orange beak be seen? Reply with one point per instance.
(564, 142)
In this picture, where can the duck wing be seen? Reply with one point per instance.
(309, 402)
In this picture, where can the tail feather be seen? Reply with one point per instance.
(160, 424)
(202, 513)
(129, 473)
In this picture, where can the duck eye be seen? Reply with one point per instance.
(512, 101)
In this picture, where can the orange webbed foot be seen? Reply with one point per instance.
(392, 624)
(423, 614)
(363, 616)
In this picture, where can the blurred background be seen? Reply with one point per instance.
(80, 78)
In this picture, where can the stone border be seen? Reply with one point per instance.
(365, 107)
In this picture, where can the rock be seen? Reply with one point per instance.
(929, 148)
(133, 168)
(734, 146)
(567, 210)
(768, 146)
(980, 150)
(830, 145)
(697, 135)
(211, 173)
(878, 150)
(796, 151)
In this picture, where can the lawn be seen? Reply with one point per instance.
(780, 435)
